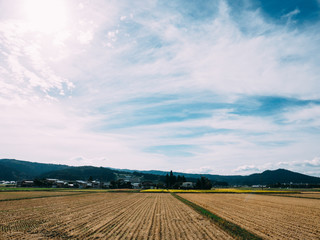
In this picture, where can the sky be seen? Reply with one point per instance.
(222, 87)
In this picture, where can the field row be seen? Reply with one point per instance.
(29, 194)
(271, 217)
(312, 195)
(105, 215)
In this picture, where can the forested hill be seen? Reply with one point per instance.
(81, 173)
(14, 170)
(280, 176)
(11, 169)
(266, 177)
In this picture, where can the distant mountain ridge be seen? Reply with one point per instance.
(264, 178)
(11, 169)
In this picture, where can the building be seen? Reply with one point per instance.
(187, 185)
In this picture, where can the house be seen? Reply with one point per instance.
(136, 185)
(187, 185)
(51, 180)
(105, 184)
(96, 184)
(135, 180)
(25, 183)
(81, 184)
(148, 185)
(8, 183)
(61, 184)
(259, 186)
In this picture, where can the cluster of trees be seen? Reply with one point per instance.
(42, 183)
(120, 183)
(203, 183)
(174, 182)
(294, 185)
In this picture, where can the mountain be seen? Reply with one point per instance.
(265, 178)
(280, 176)
(11, 169)
(82, 173)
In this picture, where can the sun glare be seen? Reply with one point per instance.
(46, 16)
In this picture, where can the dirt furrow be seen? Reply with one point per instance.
(268, 216)
(105, 216)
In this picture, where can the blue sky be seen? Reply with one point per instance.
(221, 87)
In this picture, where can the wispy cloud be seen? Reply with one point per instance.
(311, 167)
(167, 85)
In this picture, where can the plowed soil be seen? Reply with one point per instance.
(303, 195)
(105, 216)
(270, 217)
(19, 195)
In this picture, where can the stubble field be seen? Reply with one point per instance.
(105, 216)
(315, 195)
(270, 217)
(89, 215)
(4, 196)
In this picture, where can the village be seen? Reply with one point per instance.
(122, 181)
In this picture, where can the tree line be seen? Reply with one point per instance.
(175, 182)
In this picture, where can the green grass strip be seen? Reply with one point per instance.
(233, 229)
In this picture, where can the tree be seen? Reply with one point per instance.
(167, 181)
(203, 183)
(120, 183)
(183, 179)
(172, 179)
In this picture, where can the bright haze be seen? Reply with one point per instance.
(221, 87)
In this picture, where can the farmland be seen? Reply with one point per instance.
(311, 195)
(157, 215)
(270, 217)
(223, 190)
(105, 215)
(31, 194)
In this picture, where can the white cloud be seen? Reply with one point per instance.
(291, 15)
(311, 167)
(247, 168)
(307, 116)
(203, 170)
(85, 37)
(102, 61)
(50, 132)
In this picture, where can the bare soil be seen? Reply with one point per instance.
(105, 216)
(303, 195)
(30, 194)
(270, 217)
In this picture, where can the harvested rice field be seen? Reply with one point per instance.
(270, 217)
(105, 216)
(315, 195)
(30, 194)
